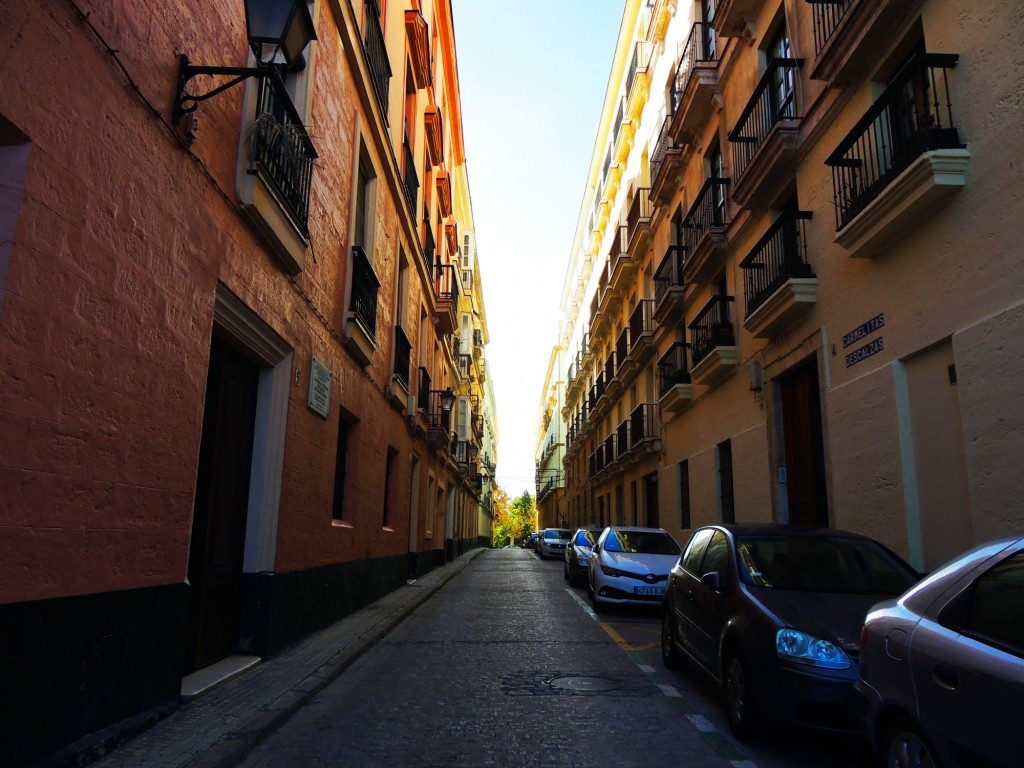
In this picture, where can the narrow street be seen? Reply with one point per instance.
(507, 666)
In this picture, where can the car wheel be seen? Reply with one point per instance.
(739, 697)
(565, 572)
(905, 746)
(670, 654)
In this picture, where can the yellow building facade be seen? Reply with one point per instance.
(793, 294)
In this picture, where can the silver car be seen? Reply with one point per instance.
(942, 666)
(552, 542)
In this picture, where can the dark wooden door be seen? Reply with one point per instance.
(221, 504)
(651, 500)
(805, 458)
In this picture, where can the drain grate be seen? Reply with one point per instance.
(576, 683)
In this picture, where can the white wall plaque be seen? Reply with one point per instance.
(319, 388)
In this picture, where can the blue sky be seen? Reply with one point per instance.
(532, 76)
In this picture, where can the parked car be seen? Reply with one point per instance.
(773, 613)
(530, 541)
(630, 566)
(578, 554)
(552, 542)
(942, 666)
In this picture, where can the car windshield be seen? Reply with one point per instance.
(641, 542)
(821, 564)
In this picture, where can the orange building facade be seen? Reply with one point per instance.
(231, 397)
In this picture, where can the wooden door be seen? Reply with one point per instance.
(805, 458)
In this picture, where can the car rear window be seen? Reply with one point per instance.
(836, 564)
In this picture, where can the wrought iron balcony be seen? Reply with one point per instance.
(446, 290)
(665, 160)
(712, 328)
(620, 264)
(638, 221)
(623, 440)
(827, 15)
(377, 55)
(644, 429)
(669, 287)
(280, 150)
(611, 449)
(770, 120)
(641, 332)
(364, 291)
(777, 261)
(912, 116)
(694, 83)
(621, 350)
(411, 180)
(439, 420)
(403, 352)
(673, 370)
(429, 246)
(702, 231)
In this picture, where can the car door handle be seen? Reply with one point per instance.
(692, 595)
(946, 678)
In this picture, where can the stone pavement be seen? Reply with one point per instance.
(219, 727)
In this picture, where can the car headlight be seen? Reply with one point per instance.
(798, 646)
(584, 560)
(607, 570)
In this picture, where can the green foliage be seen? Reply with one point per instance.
(513, 521)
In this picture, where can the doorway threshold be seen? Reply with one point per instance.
(203, 680)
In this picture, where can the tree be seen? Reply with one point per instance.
(513, 521)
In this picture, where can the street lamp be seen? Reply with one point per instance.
(275, 29)
(447, 399)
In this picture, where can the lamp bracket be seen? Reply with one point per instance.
(185, 103)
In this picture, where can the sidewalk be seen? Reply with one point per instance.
(218, 728)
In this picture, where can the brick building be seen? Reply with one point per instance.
(231, 399)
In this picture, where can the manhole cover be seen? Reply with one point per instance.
(587, 684)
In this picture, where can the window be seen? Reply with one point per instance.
(695, 551)
(997, 610)
(707, 16)
(362, 229)
(782, 78)
(715, 168)
(726, 503)
(717, 558)
(684, 495)
(389, 480)
(340, 463)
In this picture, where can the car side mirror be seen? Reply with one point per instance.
(713, 580)
(596, 548)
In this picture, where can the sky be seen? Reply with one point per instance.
(532, 77)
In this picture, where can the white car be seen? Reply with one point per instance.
(552, 542)
(631, 565)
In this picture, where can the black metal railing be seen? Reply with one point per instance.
(913, 115)
(619, 117)
(773, 100)
(610, 448)
(638, 63)
(610, 365)
(781, 254)
(622, 347)
(643, 423)
(364, 290)
(607, 165)
(711, 328)
(429, 246)
(641, 320)
(446, 284)
(673, 367)
(639, 211)
(411, 179)
(669, 273)
(618, 255)
(700, 48)
(827, 15)
(437, 416)
(423, 390)
(707, 213)
(465, 452)
(622, 437)
(403, 356)
(280, 146)
(661, 147)
(377, 55)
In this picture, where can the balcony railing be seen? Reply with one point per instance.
(827, 15)
(281, 147)
(429, 246)
(364, 291)
(700, 48)
(673, 367)
(711, 328)
(403, 352)
(669, 273)
(706, 213)
(777, 257)
(437, 416)
(622, 347)
(639, 212)
(661, 147)
(611, 449)
(446, 284)
(622, 438)
(643, 423)
(619, 117)
(641, 320)
(913, 115)
(773, 100)
(609, 367)
(638, 63)
(377, 55)
(412, 181)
